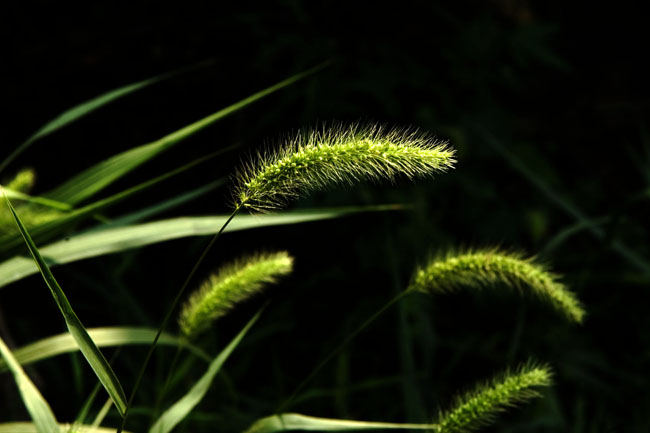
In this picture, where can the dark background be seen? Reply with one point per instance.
(547, 104)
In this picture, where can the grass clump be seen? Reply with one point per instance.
(490, 267)
(481, 405)
(342, 154)
(309, 161)
(231, 284)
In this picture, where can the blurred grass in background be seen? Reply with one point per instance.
(547, 105)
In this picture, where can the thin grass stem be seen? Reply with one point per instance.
(161, 395)
(284, 405)
(169, 313)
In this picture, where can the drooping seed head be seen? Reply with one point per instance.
(231, 284)
(338, 155)
(490, 267)
(480, 406)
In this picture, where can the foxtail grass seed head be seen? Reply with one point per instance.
(480, 406)
(489, 267)
(231, 284)
(23, 181)
(338, 155)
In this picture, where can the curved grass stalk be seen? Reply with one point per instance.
(480, 406)
(490, 267)
(168, 316)
(232, 284)
(351, 336)
(340, 154)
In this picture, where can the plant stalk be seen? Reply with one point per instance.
(336, 351)
(169, 313)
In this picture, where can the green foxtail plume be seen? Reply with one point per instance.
(480, 406)
(489, 267)
(233, 283)
(23, 181)
(326, 156)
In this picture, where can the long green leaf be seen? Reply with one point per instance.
(97, 177)
(39, 410)
(79, 111)
(43, 201)
(295, 421)
(28, 427)
(116, 239)
(103, 337)
(163, 206)
(179, 410)
(90, 351)
(102, 413)
(12, 243)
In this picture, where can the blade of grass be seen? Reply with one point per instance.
(163, 206)
(97, 177)
(101, 414)
(103, 337)
(28, 427)
(44, 201)
(111, 240)
(85, 409)
(179, 410)
(12, 243)
(88, 348)
(39, 410)
(81, 110)
(295, 421)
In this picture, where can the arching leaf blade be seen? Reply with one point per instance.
(78, 111)
(101, 241)
(97, 177)
(93, 355)
(179, 410)
(39, 410)
(295, 421)
(103, 337)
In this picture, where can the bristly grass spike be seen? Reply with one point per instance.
(489, 267)
(331, 155)
(231, 284)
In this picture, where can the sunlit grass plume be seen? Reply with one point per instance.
(338, 155)
(231, 284)
(491, 267)
(481, 405)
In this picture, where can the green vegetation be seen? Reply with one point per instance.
(323, 158)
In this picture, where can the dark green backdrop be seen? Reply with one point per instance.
(547, 104)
